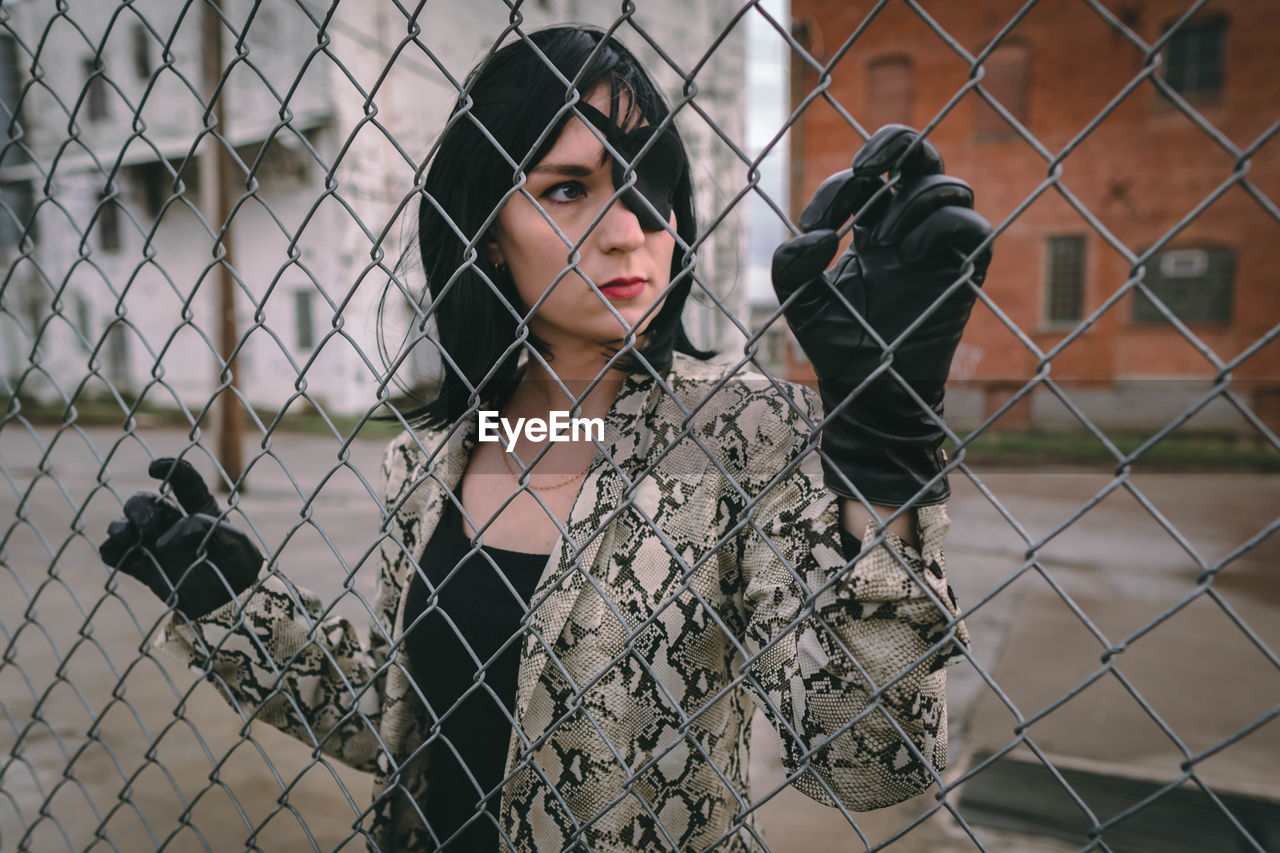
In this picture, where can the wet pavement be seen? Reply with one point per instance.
(1111, 606)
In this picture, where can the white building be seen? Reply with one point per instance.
(111, 283)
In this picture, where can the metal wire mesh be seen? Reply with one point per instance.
(326, 116)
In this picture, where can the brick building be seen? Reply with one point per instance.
(1086, 166)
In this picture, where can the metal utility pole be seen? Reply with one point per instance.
(215, 187)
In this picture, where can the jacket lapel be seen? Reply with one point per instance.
(566, 574)
(564, 578)
(425, 482)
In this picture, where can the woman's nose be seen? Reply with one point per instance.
(619, 229)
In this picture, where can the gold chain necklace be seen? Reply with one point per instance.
(515, 475)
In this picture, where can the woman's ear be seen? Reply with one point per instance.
(496, 257)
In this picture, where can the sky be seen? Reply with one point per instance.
(767, 92)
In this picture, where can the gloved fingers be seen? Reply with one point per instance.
(224, 546)
(144, 566)
(188, 552)
(140, 563)
(888, 145)
(801, 260)
(946, 238)
(124, 551)
(838, 198)
(188, 486)
(210, 562)
(150, 515)
(184, 538)
(914, 201)
(121, 536)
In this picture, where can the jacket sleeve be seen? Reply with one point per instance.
(848, 662)
(275, 659)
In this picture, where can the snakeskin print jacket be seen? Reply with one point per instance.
(701, 576)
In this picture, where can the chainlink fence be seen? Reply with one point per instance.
(202, 205)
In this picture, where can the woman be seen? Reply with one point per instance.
(567, 633)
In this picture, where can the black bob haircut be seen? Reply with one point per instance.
(514, 95)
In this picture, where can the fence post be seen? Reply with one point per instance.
(215, 187)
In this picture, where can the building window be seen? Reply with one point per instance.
(96, 96)
(1006, 78)
(32, 304)
(1195, 284)
(10, 90)
(142, 52)
(155, 182)
(889, 92)
(84, 323)
(1193, 57)
(17, 205)
(303, 318)
(108, 223)
(117, 356)
(1064, 274)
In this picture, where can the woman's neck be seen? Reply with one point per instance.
(541, 391)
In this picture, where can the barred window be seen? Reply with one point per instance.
(116, 364)
(1193, 283)
(108, 223)
(1194, 57)
(889, 91)
(1064, 279)
(84, 321)
(96, 96)
(17, 198)
(142, 52)
(154, 181)
(17, 201)
(10, 98)
(1007, 70)
(10, 87)
(303, 318)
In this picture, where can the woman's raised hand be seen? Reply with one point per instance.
(914, 240)
(184, 551)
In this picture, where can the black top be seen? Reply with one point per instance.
(476, 614)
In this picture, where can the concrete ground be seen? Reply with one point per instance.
(127, 751)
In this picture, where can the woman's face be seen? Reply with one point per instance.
(630, 267)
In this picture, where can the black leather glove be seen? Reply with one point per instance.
(204, 561)
(910, 246)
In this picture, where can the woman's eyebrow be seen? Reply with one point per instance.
(572, 169)
(575, 170)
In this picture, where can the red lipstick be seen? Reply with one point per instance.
(623, 288)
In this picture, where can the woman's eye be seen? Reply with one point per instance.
(566, 192)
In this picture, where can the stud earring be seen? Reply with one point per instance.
(501, 269)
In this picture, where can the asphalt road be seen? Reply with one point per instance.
(119, 745)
